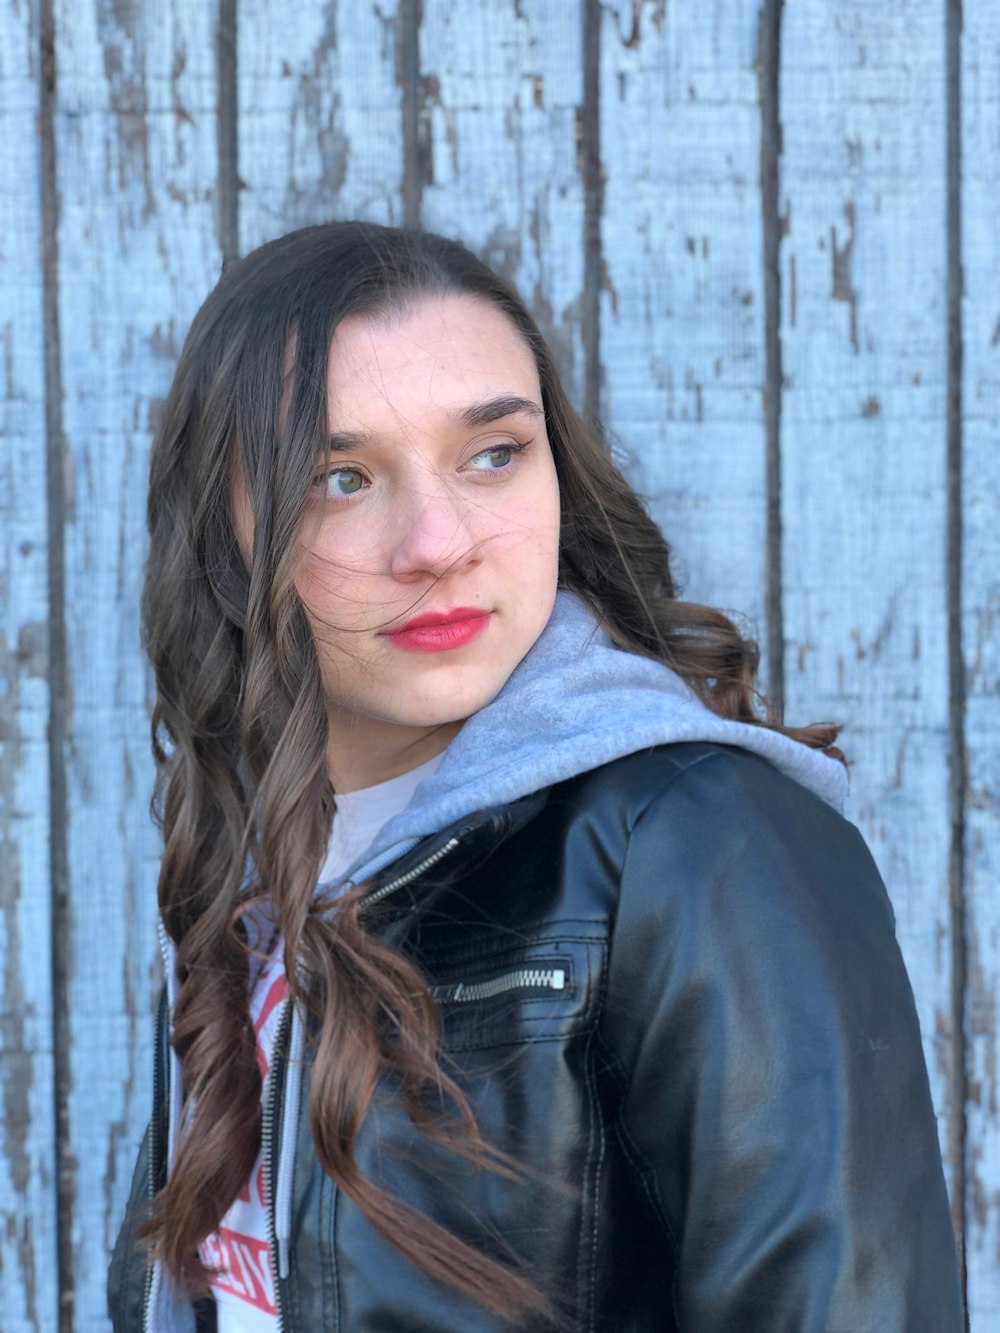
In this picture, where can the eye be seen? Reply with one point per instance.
(340, 482)
(495, 459)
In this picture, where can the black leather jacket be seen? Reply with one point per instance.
(692, 1009)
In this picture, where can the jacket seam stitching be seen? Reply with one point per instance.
(641, 1166)
(586, 1297)
(633, 1153)
(678, 773)
(598, 1169)
(519, 947)
(637, 1160)
(595, 1101)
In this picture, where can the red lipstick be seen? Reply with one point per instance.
(440, 631)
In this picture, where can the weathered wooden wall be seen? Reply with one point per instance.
(764, 241)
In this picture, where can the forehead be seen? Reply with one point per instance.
(434, 357)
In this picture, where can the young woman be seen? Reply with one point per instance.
(518, 974)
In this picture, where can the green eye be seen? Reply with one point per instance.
(497, 458)
(342, 481)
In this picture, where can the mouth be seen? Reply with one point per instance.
(439, 631)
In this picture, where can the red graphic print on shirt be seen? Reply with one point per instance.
(244, 1267)
(238, 1252)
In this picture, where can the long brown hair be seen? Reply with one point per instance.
(240, 729)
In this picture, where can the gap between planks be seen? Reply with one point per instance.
(55, 454)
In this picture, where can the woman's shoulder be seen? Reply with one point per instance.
(719, 836)
(740, 887)
(710, 786)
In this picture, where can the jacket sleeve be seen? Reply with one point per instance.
(776, 1106)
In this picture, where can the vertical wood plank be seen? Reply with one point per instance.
(981, 643)
(28, 1259)
(501, 100)
(136, 156)
(320, 115)
(682, 321)
(864, 432)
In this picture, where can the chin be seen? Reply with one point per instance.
(446, 712)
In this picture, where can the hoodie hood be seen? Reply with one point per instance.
(576, 702)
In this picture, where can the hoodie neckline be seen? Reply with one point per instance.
(575, 702)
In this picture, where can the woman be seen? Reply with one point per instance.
(518, 975)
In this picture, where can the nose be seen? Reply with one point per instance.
(435, 532)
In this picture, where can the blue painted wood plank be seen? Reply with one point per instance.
(28, 1260)
(864, 331)
(320, 120)
(499, 107)
(501, 100)
(981, 642)
(136, 157)
(682, 315)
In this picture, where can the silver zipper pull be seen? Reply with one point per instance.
(522, 978)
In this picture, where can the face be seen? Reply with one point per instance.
(431, 544)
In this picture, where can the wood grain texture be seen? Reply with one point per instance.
(321, 119)
(500, 102)
(493, 123)
(682, 333)
(864, 332)
(981, 643)
(136, 154)
(28, 1261)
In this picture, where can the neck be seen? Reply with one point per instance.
(363, 751)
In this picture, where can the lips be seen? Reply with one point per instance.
(440, 631)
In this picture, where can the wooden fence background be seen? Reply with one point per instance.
(765, 241)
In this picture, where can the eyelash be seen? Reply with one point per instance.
(515, 447)
(322, 478)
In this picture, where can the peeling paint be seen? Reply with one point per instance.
(843, 285)
(658, 11)
(793, 291)
(19, 1137)
(319, 170)
(606, 285)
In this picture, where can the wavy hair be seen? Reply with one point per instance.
(240, 730)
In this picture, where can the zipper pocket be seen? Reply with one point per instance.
(554, 978)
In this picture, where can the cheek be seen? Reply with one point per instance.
(309, 580)
(541, 518)
(325, 589)
(329, 569)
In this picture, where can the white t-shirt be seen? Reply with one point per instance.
(244, 1284)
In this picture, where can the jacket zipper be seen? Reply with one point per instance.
(153, 1150)
(383, 892)
(270, 1119)
(272, 1108)
(524, 978)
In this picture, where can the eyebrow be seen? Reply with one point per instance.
(495, 409)
(477, 414)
